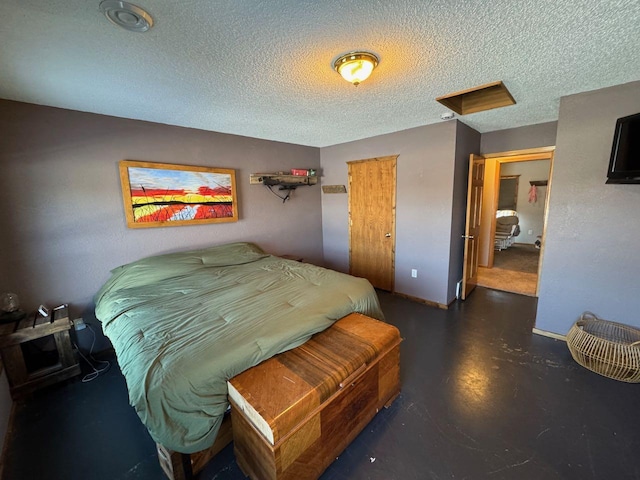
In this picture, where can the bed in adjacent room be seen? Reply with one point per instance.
(182, 324)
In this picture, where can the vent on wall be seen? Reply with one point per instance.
(478, 99)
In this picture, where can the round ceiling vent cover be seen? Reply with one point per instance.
(126, 15)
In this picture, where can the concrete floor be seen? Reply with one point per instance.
(482, 398)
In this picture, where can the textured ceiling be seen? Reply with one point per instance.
(264, 68)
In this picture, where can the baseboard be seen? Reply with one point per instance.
(422, 300)
(544, 333)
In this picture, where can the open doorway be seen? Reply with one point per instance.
(514, 220)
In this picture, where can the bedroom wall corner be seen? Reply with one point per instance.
(519, 138)
(507, 140)
(467, 142)
(425, 179)
(63, 223)
(591, 259)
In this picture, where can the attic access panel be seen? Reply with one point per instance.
(478, 99)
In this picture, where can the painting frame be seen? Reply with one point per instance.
(167, 195)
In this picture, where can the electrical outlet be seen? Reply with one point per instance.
(530, 232)
(414, 273)
(79, 324)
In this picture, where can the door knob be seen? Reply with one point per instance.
(387, 235)
(470, 237)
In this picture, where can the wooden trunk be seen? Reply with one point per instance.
(296, 412)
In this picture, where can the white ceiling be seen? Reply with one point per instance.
(263, 68)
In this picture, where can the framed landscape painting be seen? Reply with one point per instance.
(163, 195)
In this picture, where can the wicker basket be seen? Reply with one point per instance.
(608, 348)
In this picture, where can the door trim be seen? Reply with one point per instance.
(473, 222)
(542, 153)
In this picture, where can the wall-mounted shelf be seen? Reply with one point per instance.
(282, 179)
(538, 183)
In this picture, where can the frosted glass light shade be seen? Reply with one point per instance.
(355, 67)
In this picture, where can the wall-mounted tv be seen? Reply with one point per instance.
(624, 166)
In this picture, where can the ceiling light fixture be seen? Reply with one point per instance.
(355, 67)
(125, 15)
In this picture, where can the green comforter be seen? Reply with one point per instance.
(183, 324)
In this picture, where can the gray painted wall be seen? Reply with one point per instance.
(530, 215)
(591, 260)
(519, 138)
(424, 205)
(467, 142)
(63, 221)
(64, 227)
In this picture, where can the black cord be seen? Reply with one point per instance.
(284, 199)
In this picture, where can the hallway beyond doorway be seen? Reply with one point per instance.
(520, 257)
(514, 270)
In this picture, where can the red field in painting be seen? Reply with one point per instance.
(164, 205)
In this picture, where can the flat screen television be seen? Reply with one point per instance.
(624, 166)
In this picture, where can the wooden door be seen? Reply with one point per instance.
(472, 226)
(372, 218)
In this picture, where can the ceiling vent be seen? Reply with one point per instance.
(125, 15)
(478, 99)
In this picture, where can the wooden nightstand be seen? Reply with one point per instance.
(14, 337)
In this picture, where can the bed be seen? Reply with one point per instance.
(183, 324)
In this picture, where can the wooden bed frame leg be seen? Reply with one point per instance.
(177, 466)
(183, 466)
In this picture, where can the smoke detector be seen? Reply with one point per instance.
(125, 15)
